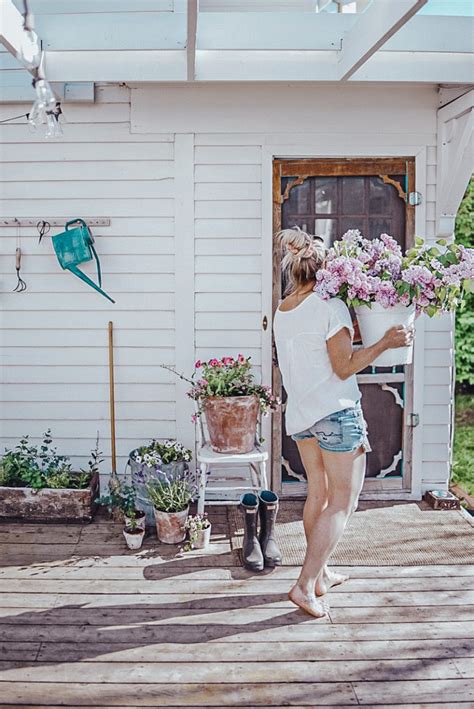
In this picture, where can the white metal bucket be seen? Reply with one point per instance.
(374, 323)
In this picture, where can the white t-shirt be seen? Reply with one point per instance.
(314, 390)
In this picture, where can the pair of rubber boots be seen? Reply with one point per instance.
(262, 549)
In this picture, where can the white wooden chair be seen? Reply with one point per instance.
(208, 460)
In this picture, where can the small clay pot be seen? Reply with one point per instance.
(170, 525)
(134, 537)
(232, 422)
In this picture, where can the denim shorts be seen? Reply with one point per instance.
(342, 432)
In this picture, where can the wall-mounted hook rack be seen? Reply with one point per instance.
(53, 221)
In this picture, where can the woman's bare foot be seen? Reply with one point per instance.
(327, 580)
(308, 603)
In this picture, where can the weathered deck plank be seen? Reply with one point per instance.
(86, 623)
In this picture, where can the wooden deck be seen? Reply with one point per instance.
(85, 622)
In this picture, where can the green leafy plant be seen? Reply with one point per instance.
(40, 467)
(464, 234)
(121, 496)
(170, 496)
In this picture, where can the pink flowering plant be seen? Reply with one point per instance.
(361, 271)
(229, 377)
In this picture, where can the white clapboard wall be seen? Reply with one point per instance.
(54, 335)
(186, 254)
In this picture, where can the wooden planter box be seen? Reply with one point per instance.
(64, 504)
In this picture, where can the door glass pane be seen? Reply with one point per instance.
(377, 195)
(353, 223)
(326, 195)
(353, 195)
(298, 201)
(327, 228)
(379, 225)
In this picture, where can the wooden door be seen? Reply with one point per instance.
(328, 197)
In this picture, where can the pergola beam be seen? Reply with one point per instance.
(192, 17)
(374, 27)
(13, 36)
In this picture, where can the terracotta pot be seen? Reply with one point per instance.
(170, 526)
(232, 422)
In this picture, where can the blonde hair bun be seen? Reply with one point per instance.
(303, 256)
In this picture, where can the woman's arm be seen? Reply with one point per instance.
(345, 361)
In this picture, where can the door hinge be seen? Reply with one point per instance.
(415, 199)
(413, 420)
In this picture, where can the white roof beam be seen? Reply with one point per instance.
(66, 7)
(22, 45)
(265, 66)
(305, 31)
(373, 28)
(192, 18)
(419, 67)
(131, 66)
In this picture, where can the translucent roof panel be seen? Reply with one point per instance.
(464, 8)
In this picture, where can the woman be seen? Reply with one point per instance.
(323, 413)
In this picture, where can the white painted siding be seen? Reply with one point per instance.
(216, 256)
(54, 336)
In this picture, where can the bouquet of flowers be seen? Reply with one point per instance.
(229, 377)
(361, 271)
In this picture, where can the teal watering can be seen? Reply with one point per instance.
(75, 246)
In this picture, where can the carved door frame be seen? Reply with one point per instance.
(301, 169)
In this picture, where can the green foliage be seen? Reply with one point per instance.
(40, 467)
(121, 496)
(465, 316)
(170, 496)
(463, 467)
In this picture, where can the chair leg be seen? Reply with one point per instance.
(255, 475)
(263, 475)
(202, 489)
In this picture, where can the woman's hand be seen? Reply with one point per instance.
(398, 336)
(345, 361)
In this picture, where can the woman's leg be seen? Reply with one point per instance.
(317, 497)
(316, 502)
(345, 474)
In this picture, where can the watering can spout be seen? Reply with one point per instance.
(89, 282)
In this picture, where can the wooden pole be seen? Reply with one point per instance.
(112, 397)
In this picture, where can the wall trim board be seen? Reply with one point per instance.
(184, 283)
(347, 110)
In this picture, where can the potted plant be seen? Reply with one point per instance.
(37, 483)
(167, 458)
(198, 528)
(120, 502)
(387, 288)
(231, 400)
(133, 532)
(170, 499)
